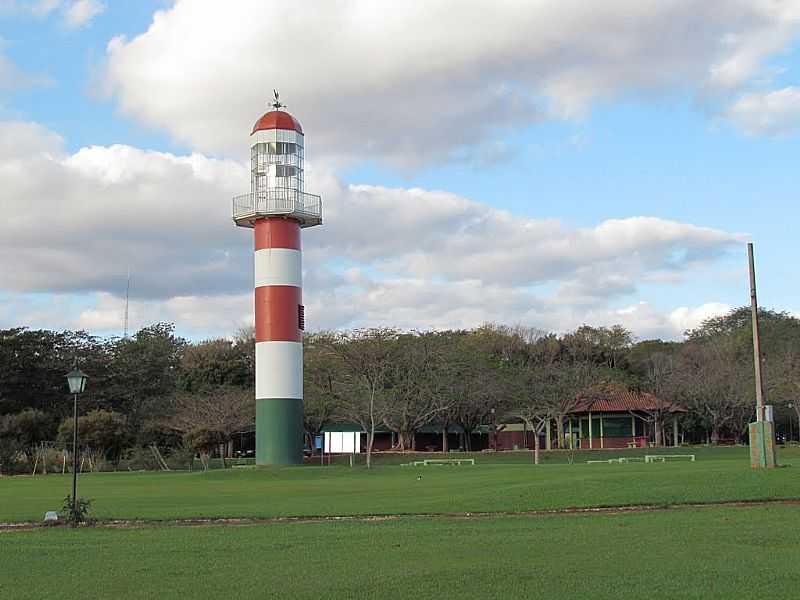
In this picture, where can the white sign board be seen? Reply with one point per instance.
(343, 442)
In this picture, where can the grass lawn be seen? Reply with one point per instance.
(704, 553)
(498, 483)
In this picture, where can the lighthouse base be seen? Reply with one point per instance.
(279, 431)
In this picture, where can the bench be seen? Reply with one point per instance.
(448, 461)
(622, 460)
(440, 461)
(652, 458)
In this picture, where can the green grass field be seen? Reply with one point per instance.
(702, 553)
(495, 484)
(708, 552)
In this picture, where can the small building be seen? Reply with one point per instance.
(620, 419)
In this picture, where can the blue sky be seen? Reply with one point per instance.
(564, 138)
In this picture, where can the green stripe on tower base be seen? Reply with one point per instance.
(279, 431)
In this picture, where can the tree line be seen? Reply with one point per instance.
(156, 389)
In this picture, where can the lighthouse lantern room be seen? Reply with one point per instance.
(277, 207)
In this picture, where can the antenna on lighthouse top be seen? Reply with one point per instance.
(277, 104)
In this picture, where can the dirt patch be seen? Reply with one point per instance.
(234, 521)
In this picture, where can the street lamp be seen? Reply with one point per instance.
(77, 383)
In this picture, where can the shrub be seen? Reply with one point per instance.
(139, 459)
(204, 440)
(27, 428)
(100, 430)
(20, 437)
(75, 515)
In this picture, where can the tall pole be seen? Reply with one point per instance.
(75, 459)
(756, 338)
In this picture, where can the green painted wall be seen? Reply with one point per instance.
(279, 431)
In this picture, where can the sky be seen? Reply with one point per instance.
(542, 163)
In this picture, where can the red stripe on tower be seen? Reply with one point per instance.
(278, 313)
(277, 233)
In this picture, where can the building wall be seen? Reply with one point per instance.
(506, 440)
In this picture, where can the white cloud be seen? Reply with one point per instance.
(413, 82)
(165, 216)
(686, 318)
(425, 259)
(80, 13)
(767, 113)
(197, 316)
(650, 323)
(438, 234)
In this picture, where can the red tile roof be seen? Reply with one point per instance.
(622, 401)
(277, 119)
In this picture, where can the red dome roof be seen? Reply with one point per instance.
(277, 119)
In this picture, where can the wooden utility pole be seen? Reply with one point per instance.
(756, 338)
(762, 431)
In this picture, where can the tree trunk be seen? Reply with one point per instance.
(444, 440)
(560, 433)
(657, 432)
(370, 440)
(535, 447)
(548, 433)
(222, 455)
(715, 434)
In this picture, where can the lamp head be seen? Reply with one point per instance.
(76, 380)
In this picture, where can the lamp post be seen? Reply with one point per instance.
(77, 383)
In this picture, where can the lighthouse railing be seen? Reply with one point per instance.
(278, 201)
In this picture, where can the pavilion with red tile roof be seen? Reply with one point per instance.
(619, 418)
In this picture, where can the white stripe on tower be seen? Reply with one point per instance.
(279, 370)
(279, 266)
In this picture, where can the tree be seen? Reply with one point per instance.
(320, 384)
(602, 345)
(22, 433)
(222, 410)
(717, 364)
(548, 390)
(214, 363)
(27, 429)
(33, 364)
(413, 394)
(144, 373)
(712, 380)
(366, 356)
(103, 431)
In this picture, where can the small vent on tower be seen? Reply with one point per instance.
(301, 317)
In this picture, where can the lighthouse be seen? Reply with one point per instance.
(277, 209)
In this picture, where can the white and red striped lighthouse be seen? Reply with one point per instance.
(277, 208)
